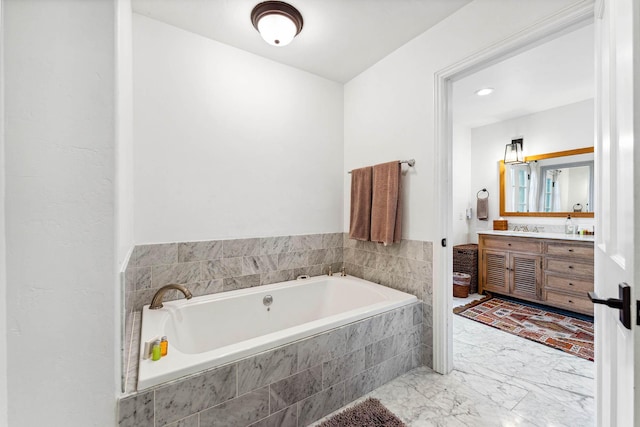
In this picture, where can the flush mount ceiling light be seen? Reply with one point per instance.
(277, 22)
(484, 91)
(513, 153)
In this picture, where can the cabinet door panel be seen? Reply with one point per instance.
(525, 272)
(496, 273)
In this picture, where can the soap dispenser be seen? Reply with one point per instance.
(568, 225)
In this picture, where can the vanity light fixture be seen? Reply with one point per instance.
(277, 22)
(513, 153)
(484, 91)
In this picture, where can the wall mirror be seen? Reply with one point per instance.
(549, 185)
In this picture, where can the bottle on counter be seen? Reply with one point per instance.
(155, 352)
(164, 346)
(568, 225)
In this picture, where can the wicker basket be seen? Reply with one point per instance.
(465, 260)
(461, 285)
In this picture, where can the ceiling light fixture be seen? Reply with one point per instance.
(484, 91)
(513, 153)
(277, 22)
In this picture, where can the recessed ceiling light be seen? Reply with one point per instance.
(484, 91)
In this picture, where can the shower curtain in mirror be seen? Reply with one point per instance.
(512, 190)
(556, 191)
(534, 172)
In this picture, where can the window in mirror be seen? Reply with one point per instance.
(518, 187)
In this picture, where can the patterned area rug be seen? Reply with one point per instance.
(565, 333)
(370, 413)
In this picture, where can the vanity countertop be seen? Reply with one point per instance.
(540, 235)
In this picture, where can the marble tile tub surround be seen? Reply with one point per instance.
(209, 267)
(406, 266)
(214, 266)
(293, 385)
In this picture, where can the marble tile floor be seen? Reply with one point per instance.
(457, 302)
(498, 379)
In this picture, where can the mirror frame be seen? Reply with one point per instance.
(542, 214)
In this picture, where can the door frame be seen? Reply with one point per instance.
(4, 392)
(563, 21)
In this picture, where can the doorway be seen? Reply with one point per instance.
(571, 19)
(548, 115)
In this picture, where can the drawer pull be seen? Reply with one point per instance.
(570, 250)
(571, 301)
(571, 267)
(570, 284)
(508, 244)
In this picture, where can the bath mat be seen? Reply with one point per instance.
(566, 333)
(461, 308)
(370, 413)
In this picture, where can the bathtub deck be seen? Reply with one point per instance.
(292, 385)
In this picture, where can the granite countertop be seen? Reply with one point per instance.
(540, 235)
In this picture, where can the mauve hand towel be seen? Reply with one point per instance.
(386, 206)
(482, 209)
(360, 215)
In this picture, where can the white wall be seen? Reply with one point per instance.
(389, 107)
(124, 202)
(461, 152)
(59, 153)
(229, 144)
(3, 253)
(558, 129)
(124, 131)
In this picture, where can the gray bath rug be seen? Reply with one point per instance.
(370, 413)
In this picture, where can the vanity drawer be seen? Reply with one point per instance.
(567, 249)
(569, 267)
(512, 244)
(568, 284)
(570, 302)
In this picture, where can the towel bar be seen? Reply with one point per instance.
(410, 162)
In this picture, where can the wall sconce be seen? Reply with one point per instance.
(277, 22)
(513, 152)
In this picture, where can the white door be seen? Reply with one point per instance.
(618, 208)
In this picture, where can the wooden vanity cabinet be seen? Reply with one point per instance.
(557, 273)
(511, 267)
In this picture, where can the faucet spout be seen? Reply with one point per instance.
(156, 302)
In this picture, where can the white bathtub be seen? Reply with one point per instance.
(213, 330)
